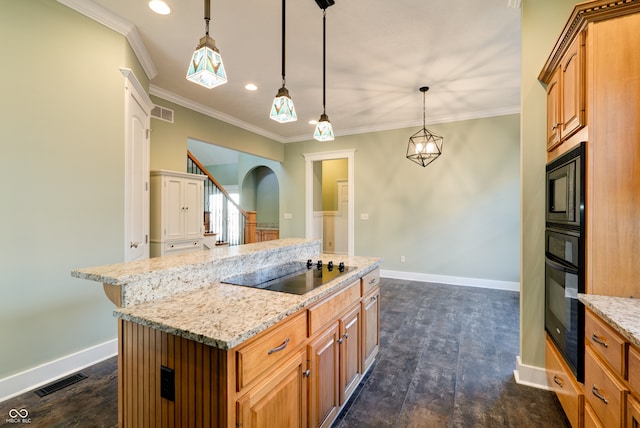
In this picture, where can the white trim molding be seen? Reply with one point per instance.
(46, 373)
(451, 280)
(532, 376)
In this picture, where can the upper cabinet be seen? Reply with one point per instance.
(566, 98)
(593, 94)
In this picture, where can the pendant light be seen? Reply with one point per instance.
(324, 130)
(424, 146)
(206, 66)
(282, 109)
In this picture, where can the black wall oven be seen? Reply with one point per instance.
(564, 256)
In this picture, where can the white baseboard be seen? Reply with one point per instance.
(533, 376)
(451, 280)
(48, 372)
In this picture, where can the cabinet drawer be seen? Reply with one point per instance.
(633, 412)
(332, 307)
(590, 418)
(270, 347)
(604, 392)
(634, 370)
(564, 385)
(609, 345)
(370, 281)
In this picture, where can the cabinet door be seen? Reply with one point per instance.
(573, 114)
(279, 401)
(633, 413)
(553, 111)
(173, 208)
(324, 377)
(370, 324)
(193, 212)
(350, 349)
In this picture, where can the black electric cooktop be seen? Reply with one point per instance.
(293, 277)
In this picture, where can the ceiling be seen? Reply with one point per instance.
(378, 54)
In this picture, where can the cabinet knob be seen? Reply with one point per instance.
(340, 340)
(306, 373)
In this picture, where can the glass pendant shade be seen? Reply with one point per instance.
(424, 147)
(282, 109)
(324, 130)
(206, 66)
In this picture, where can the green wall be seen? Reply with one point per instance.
(61, 178)
(542, 23)
(458, 216)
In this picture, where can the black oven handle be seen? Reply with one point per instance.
(558, 266)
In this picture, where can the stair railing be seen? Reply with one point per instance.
(232, 224)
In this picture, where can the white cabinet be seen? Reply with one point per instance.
(176, 212)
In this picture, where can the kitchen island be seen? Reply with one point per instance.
(197, 352)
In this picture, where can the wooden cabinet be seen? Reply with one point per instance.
(564, 384)
(633, 413)
(604, 391)
(324, 367)
(267, 234)
(566, 96)
(280, 400)
(176, 212)
(350, 353)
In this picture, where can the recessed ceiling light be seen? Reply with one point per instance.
(250, 87)
(159, 7)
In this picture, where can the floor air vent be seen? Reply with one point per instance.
(60, 384)
(162, 113)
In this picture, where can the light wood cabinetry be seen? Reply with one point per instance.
(297, 373)
(611, 375)
(564, 384)
(279, 400)
(176, 212)
(566, 97)
(270, 234)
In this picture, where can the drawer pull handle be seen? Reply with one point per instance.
(279, 348)
(306, 373)
(558, 382)
(372, 281)
(596, 392)
(599, 341)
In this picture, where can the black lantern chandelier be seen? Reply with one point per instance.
(424, 146)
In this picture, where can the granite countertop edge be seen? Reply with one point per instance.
(224, 337)
(622, 313)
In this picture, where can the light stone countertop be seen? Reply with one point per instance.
(622, 313)
(225, 316)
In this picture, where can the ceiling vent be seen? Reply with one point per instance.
(162, 113)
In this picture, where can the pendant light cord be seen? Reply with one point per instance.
(283, 39)
(207, 15)
(324, 59)
(424, 109)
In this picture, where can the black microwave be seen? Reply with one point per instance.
(565, 189)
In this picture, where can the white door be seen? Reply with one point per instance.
(136, 205)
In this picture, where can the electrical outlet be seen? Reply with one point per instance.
(167, 383)
(402, 259)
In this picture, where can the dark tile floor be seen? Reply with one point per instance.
(446, 359)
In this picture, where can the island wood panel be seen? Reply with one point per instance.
(200, 380)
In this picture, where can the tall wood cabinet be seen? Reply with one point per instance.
(177, 211)
(593, 94)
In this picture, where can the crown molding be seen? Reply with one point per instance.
(413, 123)
(208, 111)
(119, 25)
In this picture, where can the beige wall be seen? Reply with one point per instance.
(61, 178)
(542, 22)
